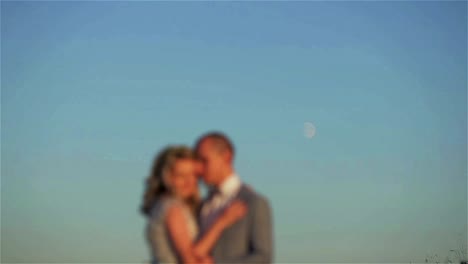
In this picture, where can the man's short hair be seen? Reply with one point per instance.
(220, 141)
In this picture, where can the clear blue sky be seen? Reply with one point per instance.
(90, 91)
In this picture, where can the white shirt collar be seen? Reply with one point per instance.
(230, 185)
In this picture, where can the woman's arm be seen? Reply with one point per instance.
(191, 251)
(232, 213)
(177, 225)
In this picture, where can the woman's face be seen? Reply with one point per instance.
(183, 178)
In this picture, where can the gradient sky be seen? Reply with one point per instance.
(90, 91)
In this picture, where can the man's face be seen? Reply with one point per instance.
(211, 163)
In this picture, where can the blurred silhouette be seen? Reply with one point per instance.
(170, 203)
(249, 240)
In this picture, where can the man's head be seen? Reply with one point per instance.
(215, 154)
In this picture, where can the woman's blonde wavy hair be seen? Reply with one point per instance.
(156, 186)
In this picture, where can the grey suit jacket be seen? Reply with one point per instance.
(249, 240)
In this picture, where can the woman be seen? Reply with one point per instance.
(170, 203)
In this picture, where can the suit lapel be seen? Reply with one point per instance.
(242, 194)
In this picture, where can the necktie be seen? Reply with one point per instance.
(211, 209)
(214, 192)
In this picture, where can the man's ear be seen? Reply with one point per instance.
(227, 156)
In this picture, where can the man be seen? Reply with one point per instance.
(249, 240)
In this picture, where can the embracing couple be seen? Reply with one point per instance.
(231, 225)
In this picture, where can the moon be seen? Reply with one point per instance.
(309, 130)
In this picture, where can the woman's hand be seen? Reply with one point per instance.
(230, 215)
(206, 260)
(233, 212)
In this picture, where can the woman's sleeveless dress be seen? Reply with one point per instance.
(161, 246)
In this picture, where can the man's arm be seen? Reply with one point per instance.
(260, 237)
